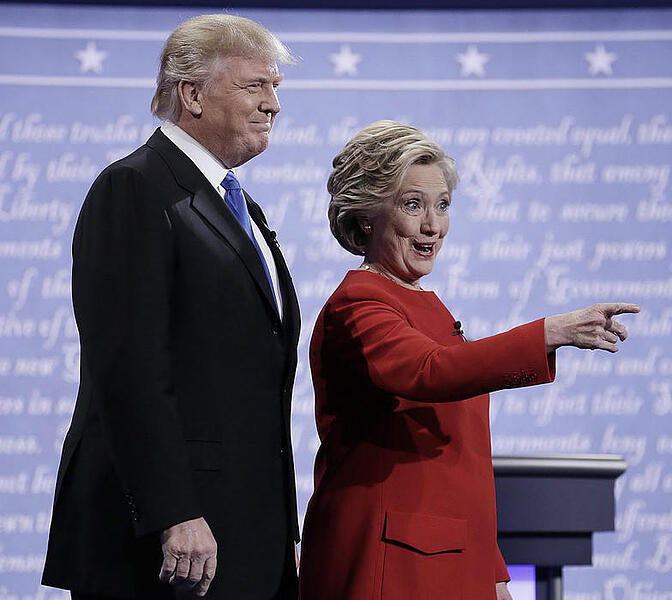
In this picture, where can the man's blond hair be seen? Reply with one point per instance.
(192, 50)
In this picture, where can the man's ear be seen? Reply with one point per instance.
(191, 96)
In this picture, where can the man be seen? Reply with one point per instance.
(177, 475)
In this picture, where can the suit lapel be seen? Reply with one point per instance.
(290, 301)
(212, 209)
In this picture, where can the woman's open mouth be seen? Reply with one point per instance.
(425, 249)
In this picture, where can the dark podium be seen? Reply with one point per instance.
(548, 508)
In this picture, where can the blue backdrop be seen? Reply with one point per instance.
(560, 124)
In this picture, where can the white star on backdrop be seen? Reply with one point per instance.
(599, 60)
(472, 62)
(90, 59)
(345, 61)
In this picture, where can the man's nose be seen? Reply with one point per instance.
(270, 102)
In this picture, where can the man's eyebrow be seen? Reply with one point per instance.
(266, 78)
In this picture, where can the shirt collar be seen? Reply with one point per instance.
(206, 162)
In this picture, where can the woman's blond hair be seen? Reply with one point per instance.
(370, 169)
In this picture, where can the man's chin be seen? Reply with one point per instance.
(262, 144)
(253, 150)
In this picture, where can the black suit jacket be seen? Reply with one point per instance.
(183, 408)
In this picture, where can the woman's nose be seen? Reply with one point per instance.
(430, 223)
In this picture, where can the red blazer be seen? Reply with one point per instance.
(404, 501)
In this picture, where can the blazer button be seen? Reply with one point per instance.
(275, 330)
(283, 451)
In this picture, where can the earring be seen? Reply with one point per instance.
(366, 228)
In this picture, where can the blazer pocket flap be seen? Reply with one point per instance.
(429, 534)
(205, 455)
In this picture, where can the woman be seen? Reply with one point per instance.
(404, 503)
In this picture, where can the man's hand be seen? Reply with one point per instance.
(189, 556)
(502, 591)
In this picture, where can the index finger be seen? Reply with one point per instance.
(618, 308)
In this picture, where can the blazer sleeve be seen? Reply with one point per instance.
(405, 362)
(122, 278)
(501, 572)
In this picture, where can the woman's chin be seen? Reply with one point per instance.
(422, 268)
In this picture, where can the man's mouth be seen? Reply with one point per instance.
(426, 248)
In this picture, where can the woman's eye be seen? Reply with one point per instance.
(412, 204)
(444, 205)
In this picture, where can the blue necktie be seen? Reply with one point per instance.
(236, 202)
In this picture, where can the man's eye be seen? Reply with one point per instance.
(412, 204)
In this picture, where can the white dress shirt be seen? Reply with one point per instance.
(215, 172)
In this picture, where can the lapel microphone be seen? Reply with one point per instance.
(458, 328)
